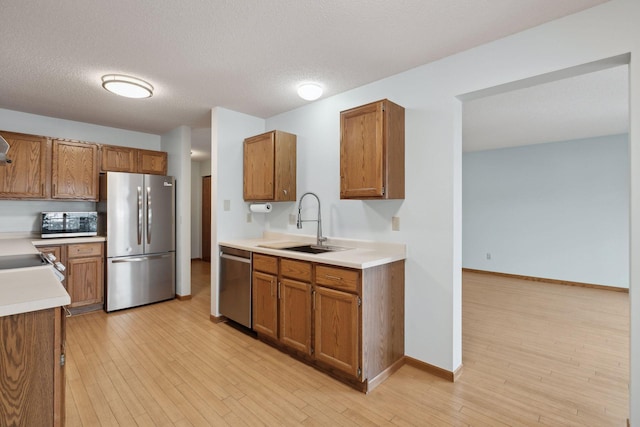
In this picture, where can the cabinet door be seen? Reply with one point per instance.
(152, 162)
(118, 159)
(74, 170)
(337, 329)
(265, 304)
(26, 175)
(27, 368)
(259, 167)
(85, 278)
(59, 338)
(295, 314)
(362, 152)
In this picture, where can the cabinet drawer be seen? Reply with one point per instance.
(300, 270)
(84, 250)
(339, 278)
(265, 263)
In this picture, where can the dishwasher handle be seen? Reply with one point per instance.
(235, 258)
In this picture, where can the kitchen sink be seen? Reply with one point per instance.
(315, 249)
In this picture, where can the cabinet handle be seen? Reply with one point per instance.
(313, 300)
(279, 290)
(285, 192)
(328, 276)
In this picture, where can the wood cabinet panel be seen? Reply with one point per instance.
(337, 329)
(26, 177)
(75, 169)
(295, 314)
(339, 278)
(27, 369)
(294, 269)
(372, 151)
(265, 304)
(270, 167)
(152, 162)
(265, 263)
(85, 281)
(82, 250)
(118, 159)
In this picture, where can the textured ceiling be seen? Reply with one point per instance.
(244, 55)
(588, 105)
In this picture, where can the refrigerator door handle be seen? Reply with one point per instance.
(140, 259)
(139, 215)
(149, 215)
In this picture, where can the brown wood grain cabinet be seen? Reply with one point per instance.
(75, 170)
(372, 151)
(27, 176)
(32, 368)
(152, 162)
(270, 167)
(85, 274)
(265, 295)
(346, 322)
(295, 304)
(118, 159)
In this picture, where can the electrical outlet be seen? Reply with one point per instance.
(227, 205)
(489, 256)
(292, 219)
(395, 223)
(249, 217)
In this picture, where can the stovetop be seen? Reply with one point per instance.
(21, 261)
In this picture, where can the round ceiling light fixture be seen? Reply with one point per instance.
(310, 91)
(127, 86)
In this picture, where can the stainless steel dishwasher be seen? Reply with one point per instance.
(235, 285)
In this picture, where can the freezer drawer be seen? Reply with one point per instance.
(138, 280)
(235, 285)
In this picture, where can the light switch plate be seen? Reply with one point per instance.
(395, 223)
(249, 217)
(227, 205)
(292, 219)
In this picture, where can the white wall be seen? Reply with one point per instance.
(177, 143)
(198, 170)
(557, 210)
(228, 131)
(431, 213)
(20, 215)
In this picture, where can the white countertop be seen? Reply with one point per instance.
(67, 240)
(360, 255)
(28, 289)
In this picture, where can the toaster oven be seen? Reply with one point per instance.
(69, 224)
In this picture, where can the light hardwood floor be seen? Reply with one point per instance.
(533, 354)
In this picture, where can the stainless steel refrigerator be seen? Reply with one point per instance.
(138, 212)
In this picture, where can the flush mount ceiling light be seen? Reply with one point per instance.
(310, 91)
(128, 86)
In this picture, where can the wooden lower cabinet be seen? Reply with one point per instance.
(346, 322)
(85, 274)
(265, 304)
(32, 368)
(337, 332)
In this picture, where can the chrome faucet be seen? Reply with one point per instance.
(320, 239)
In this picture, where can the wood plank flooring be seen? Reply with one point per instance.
(533, 354)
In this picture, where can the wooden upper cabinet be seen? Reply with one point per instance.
(133, 160)
(372, 151)
(118, 159)
(75, 170)
(270, 167)
(152, 162)
(27, 174)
